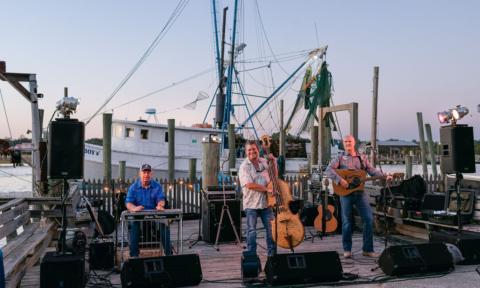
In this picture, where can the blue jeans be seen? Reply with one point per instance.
(360, 200)
(266, 215)
(2, 271)
(135, 236)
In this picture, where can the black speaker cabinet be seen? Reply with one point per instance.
(299, 268)
(165, 271)
(251, 266)
(58, 270)
(468, 243)
(413, 259)
(101, 254)
(211, 213)
(66, 149)
(457, 149)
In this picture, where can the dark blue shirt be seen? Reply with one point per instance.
(146, 197)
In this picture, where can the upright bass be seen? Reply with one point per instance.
(287, 228)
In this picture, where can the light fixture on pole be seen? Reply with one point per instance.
(452, 115)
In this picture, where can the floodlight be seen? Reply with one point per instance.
(452, 115)
(67, 106)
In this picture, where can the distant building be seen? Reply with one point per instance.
(394, 150)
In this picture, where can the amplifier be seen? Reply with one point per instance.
(58, 270)
(101, 254)
(219, 195)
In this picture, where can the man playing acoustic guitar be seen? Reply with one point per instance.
(352, 160)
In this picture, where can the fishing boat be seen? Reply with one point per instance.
(138, 142)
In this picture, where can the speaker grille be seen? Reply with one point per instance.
(66, 149)
(457, 149)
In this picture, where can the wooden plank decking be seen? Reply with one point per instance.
(222, 268)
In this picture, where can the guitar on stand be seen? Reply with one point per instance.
(325, 222)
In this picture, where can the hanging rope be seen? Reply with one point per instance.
(173, 17)
(6, 115)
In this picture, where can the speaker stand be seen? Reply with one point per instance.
(458, 179)
(225, 209)
(63, 234)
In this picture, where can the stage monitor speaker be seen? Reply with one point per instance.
(468, 242)
(101, 254)
(211, 213)
(66, 149)
(414, 259)
(165, 271)
(311, 267)
(457, 149)
(57, 270)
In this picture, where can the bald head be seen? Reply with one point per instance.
(349, 144)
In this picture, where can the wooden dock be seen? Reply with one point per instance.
(222, 268)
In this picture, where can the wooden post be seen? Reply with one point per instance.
(423, 147)
(171, 150)
(373, 137)
(107, 148)
(314, 141)
(408, 165)
(121, 170)
(231, 147)
(354, 120)
(431, 148)
(210, 161)
(281, 143)
(192, 168)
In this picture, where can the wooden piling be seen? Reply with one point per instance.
(423, 148)
(408, 165)
(373, 137)
(171, 150)
(121, 170)
(210, 161)
(192, 169)
(431, 149)
(107, 147)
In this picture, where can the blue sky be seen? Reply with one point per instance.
(427, 52)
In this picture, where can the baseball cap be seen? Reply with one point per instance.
(146, 167)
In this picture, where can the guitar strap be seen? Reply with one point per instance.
(362, 167)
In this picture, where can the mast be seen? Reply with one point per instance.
(228, 98)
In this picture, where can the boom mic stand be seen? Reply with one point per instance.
(200, 220)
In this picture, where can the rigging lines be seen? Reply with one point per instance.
(6, 115)
(173, 17)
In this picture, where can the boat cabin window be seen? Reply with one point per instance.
(166, 136)
(144, 134)
(129, 132)
(118, 131)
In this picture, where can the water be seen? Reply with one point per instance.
(15, 182)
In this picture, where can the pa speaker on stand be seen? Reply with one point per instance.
(66, 149)
(457, 149)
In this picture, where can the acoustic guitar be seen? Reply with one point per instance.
(325, 215)
(356, 180)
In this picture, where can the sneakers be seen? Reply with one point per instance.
(347, 254)
(371, 254)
